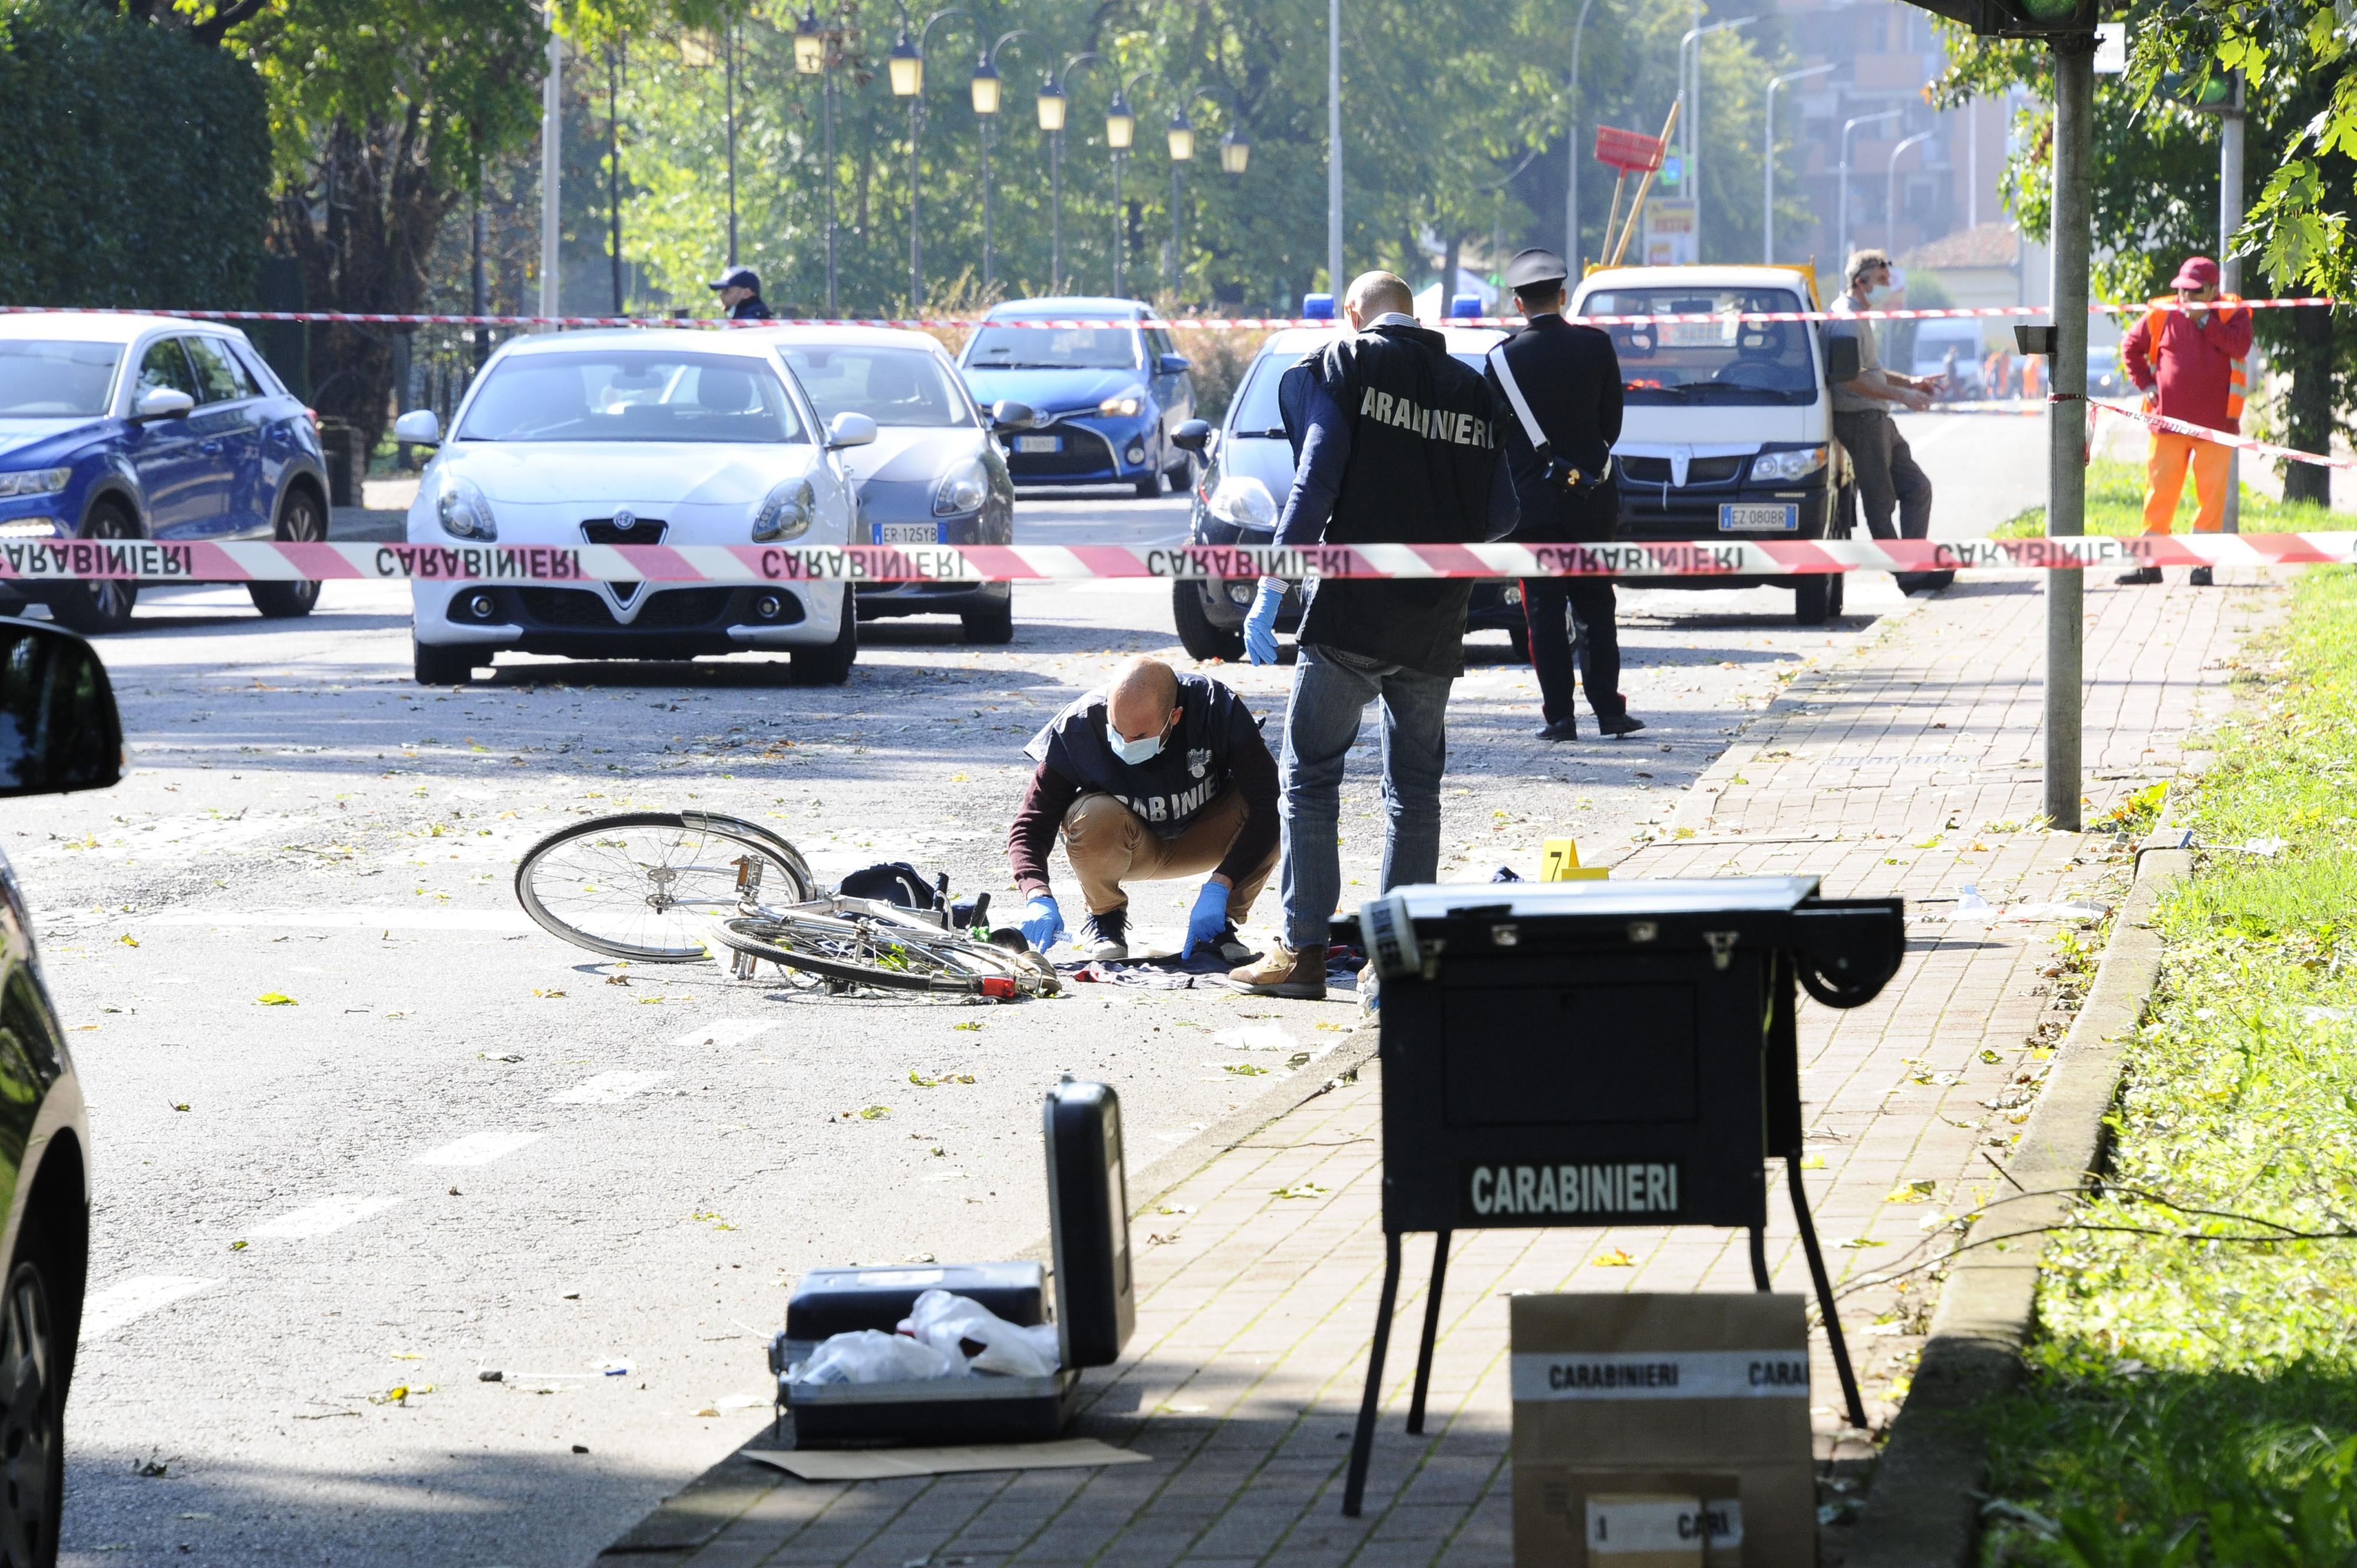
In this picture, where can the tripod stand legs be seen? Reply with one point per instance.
(1759, 1281)
(1362, 1440)
(1855, 1406)
(1431, 1332)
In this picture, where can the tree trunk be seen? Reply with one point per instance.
(1450, 259)
(2308, 410)
(364, 228)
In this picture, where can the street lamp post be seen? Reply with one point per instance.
(1767, 158)
(1571, 186)
(1053, 114)
(728, 119)
(985, 87)
(814, 56)
(905, 67)
(1690, 171)
(1335, 281)
(1890, 191)
(1121, 132)
(1841, 231)
(614, 165)
(1235, 152)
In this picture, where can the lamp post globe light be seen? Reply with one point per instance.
(985, 87)
(814, 56)
(907, 69)
(1180, 134)
(1053, 112)
(1121, 131)
(1235, 152)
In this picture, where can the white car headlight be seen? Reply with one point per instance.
(1770, 466)
(1243, 501)
(35, 482)
(963, 489)
(464, 511)
(1124, 405)
(786, 513)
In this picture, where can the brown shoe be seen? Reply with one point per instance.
(1282, 972)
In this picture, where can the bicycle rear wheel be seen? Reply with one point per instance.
(648, 885)
(854, 942)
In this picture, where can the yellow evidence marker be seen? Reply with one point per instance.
(1561, 864)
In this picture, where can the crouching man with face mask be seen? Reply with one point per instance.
(1160, 775)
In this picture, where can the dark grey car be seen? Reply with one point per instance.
(59, 732)
(936, 473)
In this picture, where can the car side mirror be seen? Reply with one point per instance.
(849, 430)
(1007, 414)
(1841, 360)
(1173, 365)
(418, 427)
(59, 727)
(158, 404)
(1192, 436)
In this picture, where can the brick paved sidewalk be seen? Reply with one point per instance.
(1909, 769)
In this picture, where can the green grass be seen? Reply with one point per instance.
(2116, 506)
(2193, 1400)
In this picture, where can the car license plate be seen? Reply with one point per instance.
(1038, 444)
(907, 534)
(1768, 519)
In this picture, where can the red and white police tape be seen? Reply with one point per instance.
(2223, 438)
(1203, 323)
(165, 563)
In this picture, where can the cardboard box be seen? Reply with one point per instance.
(1702, 1398)
(1758, 1515)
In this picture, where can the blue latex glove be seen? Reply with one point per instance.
(1260, 622)
(1042, 922)
(1208, 918)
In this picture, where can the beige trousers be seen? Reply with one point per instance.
(1110, 844)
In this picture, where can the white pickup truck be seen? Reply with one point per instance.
(1727, 428)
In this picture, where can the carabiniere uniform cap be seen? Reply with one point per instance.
(1534, 266)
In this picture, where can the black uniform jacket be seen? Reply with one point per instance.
(1572, 379)
(1423, 453)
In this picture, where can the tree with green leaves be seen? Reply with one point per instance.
(2155, 196)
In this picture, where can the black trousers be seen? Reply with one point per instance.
(1571, 621)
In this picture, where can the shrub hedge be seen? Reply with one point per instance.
(137, 164)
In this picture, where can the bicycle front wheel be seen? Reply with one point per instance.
(648, 885)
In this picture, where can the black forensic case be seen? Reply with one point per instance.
(1088, 1217)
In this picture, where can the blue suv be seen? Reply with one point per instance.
(149, 427)
(1107, 392)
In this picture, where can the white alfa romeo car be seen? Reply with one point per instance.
(644, 436)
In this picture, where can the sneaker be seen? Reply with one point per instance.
(1104, 937)
(1232, 947)
(2141, 576)
(1619, 726)
(2201, 577)
(1282, 972)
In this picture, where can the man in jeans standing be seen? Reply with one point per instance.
(1394, 442)
(1884, 469)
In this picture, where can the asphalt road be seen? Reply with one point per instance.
(456, 1146)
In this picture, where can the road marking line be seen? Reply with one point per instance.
(607, 1088)
(477, 1148)
(725, 1032)
(119, 1303)
(321, 1218)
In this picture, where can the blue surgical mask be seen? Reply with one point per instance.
(1134, 751)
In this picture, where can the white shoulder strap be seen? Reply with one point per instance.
(1497, 358)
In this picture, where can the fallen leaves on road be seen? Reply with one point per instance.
(1298, 1189)
(127, 939)
(713, 1217)
(1618, 1258)
(276, 999)
(552, 995)
(179, 1105)
(1918, 1191)
(875, 1112)
(1813, 1161)
(1855, 1242)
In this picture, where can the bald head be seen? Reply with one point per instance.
(1377, 294)
(1143, 699)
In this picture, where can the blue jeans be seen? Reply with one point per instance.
(1331, 690)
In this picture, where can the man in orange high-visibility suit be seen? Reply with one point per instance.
(2187, 355)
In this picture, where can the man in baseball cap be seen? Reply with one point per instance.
(2187, 357)
(739, 289)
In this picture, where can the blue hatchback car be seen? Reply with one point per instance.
(1107, 394)
(149, 427)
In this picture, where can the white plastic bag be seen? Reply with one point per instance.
(947, 1323)
(872, 1355)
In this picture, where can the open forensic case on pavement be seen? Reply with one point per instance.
(1088, 1208)
(1601, 1053)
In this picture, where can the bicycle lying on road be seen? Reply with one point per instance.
(666, 887)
